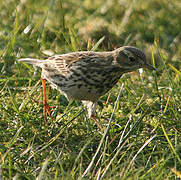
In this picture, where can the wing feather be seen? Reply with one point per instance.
(86, 59)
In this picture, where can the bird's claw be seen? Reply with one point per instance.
(47, 109)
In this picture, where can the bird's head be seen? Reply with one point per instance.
(131, 58)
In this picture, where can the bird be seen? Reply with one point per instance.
(88, 75)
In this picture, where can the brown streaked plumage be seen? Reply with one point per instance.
(88, 75)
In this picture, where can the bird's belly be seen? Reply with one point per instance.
(84, 87)
(75, 91)
(81, 93)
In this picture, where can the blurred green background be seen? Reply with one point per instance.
(31, 27)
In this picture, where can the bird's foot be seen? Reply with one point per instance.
(47, 110)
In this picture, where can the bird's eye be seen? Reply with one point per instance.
(132, 59)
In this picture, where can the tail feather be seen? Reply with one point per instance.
(36, 62)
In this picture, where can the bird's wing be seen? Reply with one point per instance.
(86, 59)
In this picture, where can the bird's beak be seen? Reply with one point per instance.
(149, 66)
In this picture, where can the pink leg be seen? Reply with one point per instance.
(47, 108)
(96, 121)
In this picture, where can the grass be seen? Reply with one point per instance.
(140, 116)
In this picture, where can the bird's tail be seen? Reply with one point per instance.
(36, 62)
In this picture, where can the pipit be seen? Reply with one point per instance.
(88, 75)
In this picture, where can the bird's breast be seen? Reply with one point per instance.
(84, 84)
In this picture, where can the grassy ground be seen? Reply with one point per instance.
(140, 116)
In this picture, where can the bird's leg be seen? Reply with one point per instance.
(96, 121)
(91, 108)
(47, 108)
